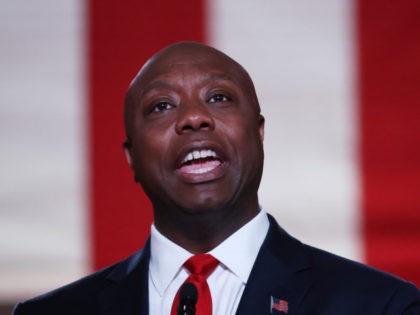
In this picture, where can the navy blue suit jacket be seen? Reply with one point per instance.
(309, 280)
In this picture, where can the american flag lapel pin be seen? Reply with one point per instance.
(278, 305)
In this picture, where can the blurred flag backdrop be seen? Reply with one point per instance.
(339, 85)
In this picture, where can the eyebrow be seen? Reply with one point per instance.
(219, 77)
(155, 86)
(168, 84)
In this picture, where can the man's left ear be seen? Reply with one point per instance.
(127, 152)
(261, 124)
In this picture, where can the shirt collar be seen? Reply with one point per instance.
(238, 252)
(166, 259)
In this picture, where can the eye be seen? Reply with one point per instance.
(161, 106)
(218, 98)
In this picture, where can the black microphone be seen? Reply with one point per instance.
(188, 295)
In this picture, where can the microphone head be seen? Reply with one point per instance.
(188, 296)
(188, 291)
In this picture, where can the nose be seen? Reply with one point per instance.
(194, 116)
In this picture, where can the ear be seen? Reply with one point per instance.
(127, 152)
(261, 124)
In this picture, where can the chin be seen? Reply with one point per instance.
(203, 205)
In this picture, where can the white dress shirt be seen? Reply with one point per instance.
(236, 255)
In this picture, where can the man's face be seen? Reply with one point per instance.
(194, 132)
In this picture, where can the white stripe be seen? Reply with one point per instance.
(42, 225)
(300, 55)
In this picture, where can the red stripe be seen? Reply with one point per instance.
(389, 86)
(122, 35)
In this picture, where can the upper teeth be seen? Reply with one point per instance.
(199, 154)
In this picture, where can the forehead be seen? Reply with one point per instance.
(205, 64)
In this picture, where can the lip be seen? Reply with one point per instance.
(208, 176)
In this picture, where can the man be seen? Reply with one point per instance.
(195, 144)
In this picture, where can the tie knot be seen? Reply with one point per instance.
(201, 264)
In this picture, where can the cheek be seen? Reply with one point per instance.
(149, 148)
(147, 163)
(249, 144)
(243, 132)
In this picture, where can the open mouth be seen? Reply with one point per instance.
(200, 162)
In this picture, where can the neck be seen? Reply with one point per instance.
(201, 231)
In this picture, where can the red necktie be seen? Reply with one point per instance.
(200, 266)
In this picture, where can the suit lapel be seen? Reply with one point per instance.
(282, 271)
(127, 292)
